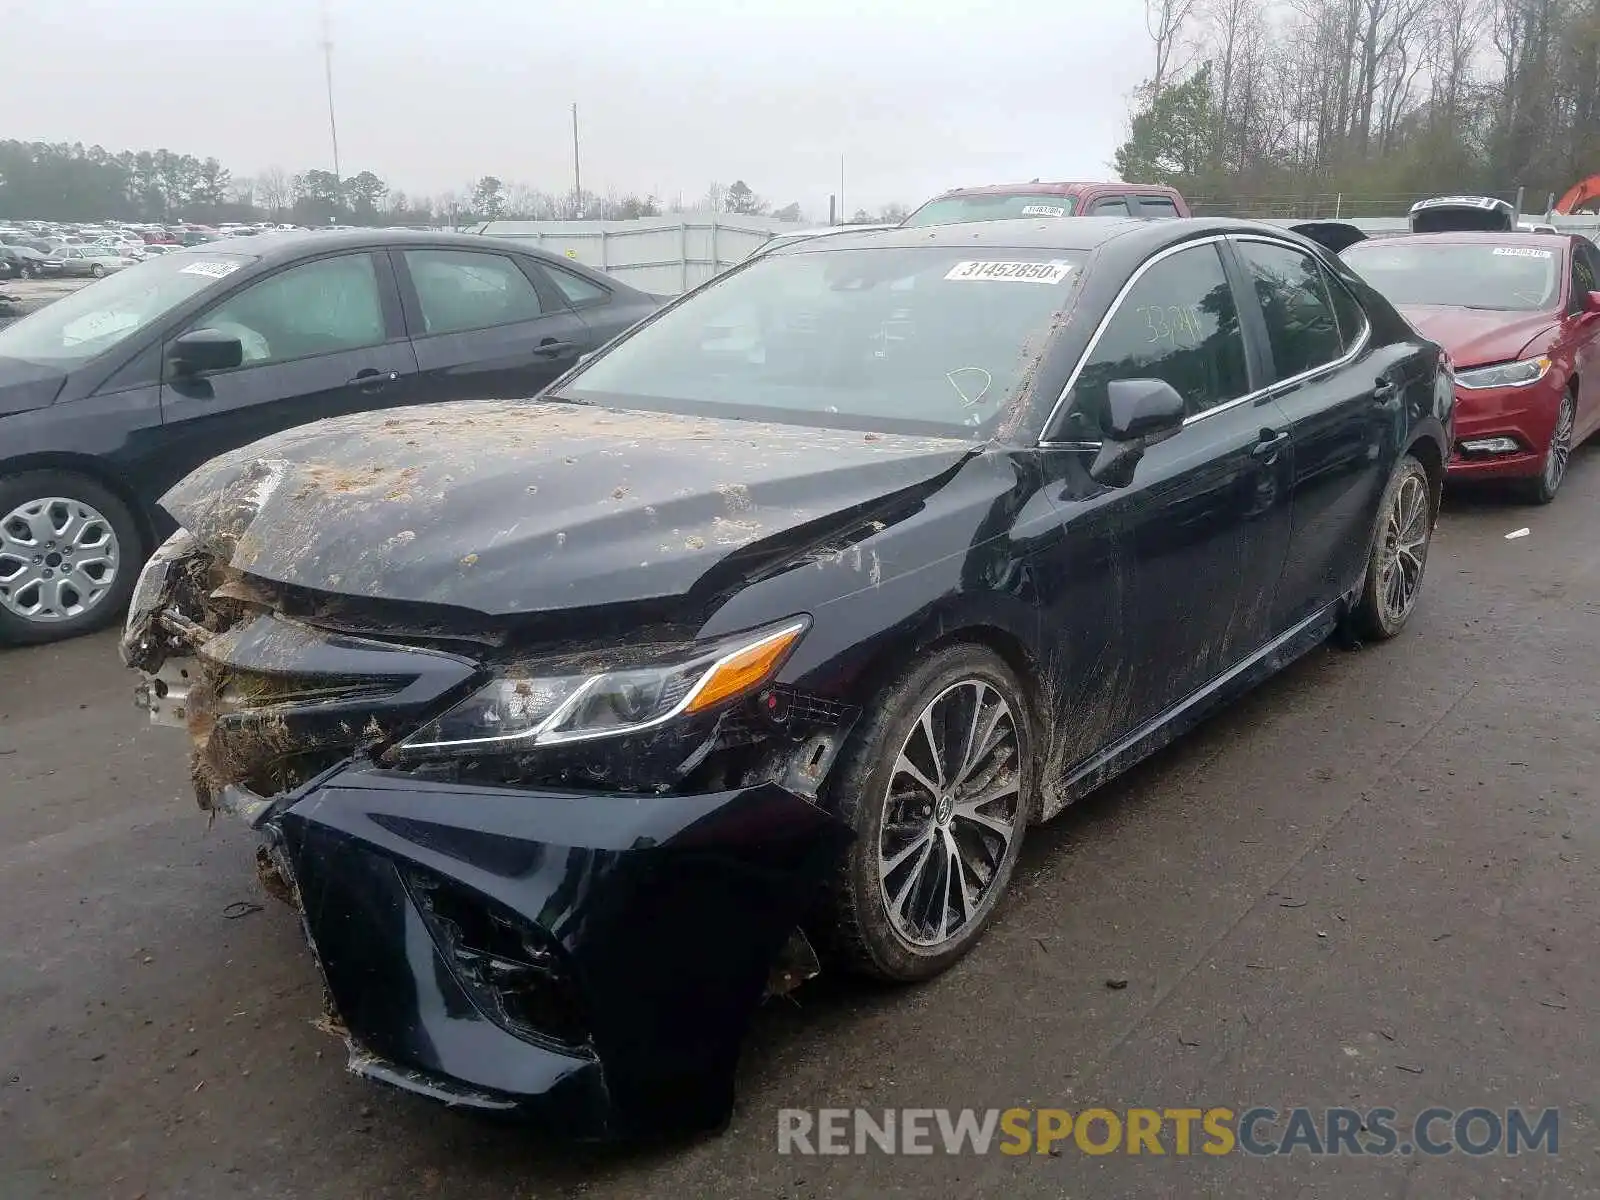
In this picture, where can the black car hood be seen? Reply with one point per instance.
(25, 385)
(528, 506)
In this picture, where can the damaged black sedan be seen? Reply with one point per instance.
(576, 726)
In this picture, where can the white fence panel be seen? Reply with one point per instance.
(663, 255)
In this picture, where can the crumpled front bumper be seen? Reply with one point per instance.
(648, 923)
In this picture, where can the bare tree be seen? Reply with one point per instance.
(276, 190)
(1167, 22)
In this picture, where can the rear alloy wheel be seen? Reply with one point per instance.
(1399, 554)
(1543, 490)
(937, 787)
(97, 271)
(69, 554)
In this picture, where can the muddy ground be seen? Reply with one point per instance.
(1372, 883)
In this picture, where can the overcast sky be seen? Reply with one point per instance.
(916, 95)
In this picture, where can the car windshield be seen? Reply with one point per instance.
(990, 206)
(923, 339)
(1514, 278)
(91, 321)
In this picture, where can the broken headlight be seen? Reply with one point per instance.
(517, 713)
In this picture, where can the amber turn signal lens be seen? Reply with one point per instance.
(744, 669)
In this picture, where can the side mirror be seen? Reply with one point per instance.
(202, 350)
(1591, 303)
(1142, 409)
(1140, 413)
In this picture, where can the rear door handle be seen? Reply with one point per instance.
(372, 380)
(554, 349)
(1272, 441)
(1384, 391)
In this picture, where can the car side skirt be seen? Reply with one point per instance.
(1165, 728)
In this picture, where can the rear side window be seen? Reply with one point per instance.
(1157, 206)
(1352, 317)
(1113, 206)
(1293, 292)
(1178, 323)
(460, 290)
(580, 292)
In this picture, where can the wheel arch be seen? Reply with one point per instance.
(93, 469)
(1426, 448)
(940, 631)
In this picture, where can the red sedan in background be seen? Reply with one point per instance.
(1519, 314)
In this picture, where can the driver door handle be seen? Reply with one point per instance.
(372, 380)
(1272, 441)
(554, 349)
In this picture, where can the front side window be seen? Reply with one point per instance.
(465, 289)
(322, 307)
(1178, 323)
(909, 339)
(1301, 327)
(1583, 280)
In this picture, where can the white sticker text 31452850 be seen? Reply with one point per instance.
(1011, 272)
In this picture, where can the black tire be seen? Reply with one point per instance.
(1376, 617)
(19, 490)
(858, 932)
(97, 271)
(1553, 470)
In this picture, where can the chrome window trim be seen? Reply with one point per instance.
(1275, 388)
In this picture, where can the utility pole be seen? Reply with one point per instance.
(577, 174)
(327, 70)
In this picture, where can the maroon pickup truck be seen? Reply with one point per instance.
(1009, 201)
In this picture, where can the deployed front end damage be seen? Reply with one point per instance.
(573, 915)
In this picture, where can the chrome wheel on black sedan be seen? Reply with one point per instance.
(68, 553)
(1398, 555)
(938, 786)
(950, 812)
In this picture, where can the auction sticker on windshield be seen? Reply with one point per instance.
(1011, 272)
(216, 270)
(1522, 252)
(1043, 210)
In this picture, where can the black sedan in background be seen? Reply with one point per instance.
(111, 395)
(20, 262)
(576, 725)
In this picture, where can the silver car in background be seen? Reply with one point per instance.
(93, 261)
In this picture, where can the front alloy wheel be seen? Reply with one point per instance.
(1558, 455)
(70, 552)
(950, 812)
(937, 785)
(59, 558)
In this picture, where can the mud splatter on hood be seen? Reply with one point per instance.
(525, 506)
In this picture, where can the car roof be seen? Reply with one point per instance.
(1477, 237)
(282, 244)
(1049, 233)
(1053, 189)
